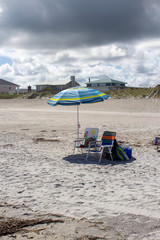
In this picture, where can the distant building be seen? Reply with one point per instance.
(8, 87)
(105, 84)
(59, 85)
(23, 90)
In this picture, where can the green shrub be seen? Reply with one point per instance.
(8, 96)
(129, 92)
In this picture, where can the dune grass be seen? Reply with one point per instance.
(127, 92)
(130, 92)
(8, 96)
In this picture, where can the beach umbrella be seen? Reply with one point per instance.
(77, 96)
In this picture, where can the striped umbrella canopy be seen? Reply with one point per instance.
(77, 96)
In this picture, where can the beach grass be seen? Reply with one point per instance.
(130, 92)
(8, 96)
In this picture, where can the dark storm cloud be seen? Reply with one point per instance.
(77, 23)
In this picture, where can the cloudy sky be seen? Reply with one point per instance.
(46, 40)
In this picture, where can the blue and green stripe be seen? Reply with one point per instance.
(76, 96)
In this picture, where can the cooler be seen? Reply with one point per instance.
(128, 151)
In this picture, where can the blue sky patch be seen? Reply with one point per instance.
(4, 60)
(118, 67)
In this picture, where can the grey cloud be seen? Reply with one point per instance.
(146, 70)
(28, 71)
(127, 53)
(18, 73)
(38, 70)
(65, 24)
(142, 69)
(65, 58)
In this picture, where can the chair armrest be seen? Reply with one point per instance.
(79, 140)
(98, 143)
(103, 146)
(92, 143)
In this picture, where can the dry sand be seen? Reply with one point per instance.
(40, 178)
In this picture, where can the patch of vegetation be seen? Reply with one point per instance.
(46, 92)
(127, 92)
(8, 96)
(130, 92)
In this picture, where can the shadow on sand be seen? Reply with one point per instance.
(81, 159)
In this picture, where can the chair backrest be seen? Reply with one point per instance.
(108, 138)
(91, 133)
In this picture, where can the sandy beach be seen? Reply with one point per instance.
(41, 179)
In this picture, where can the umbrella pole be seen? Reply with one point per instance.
(78, 122)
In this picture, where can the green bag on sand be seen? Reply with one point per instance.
(121, 154)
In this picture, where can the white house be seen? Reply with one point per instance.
(59, 84)
(105, 84)
(8, 87)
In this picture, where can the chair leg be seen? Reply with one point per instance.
(89, 147)
(101, 153)
(74, 148)
(110, 151)
(87, 156)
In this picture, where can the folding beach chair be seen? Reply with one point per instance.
(89, 139)
(104, 146)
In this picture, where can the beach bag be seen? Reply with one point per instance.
(114, 150)
(121, 154)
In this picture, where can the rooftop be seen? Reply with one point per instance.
(4, 82)
(55, 83)
(107, 80)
